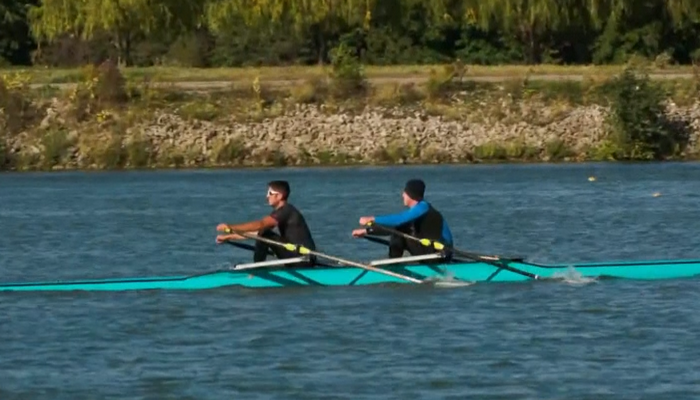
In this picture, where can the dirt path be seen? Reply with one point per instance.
(416, 79)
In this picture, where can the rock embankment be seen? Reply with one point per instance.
(363, 136)
(309, 134)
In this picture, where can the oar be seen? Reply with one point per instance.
(493, 260)
(245, 246)
(304, 251)
(376, 240)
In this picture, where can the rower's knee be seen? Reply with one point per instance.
(397, 246)
(266, 233)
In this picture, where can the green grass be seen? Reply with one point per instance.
(172, 74)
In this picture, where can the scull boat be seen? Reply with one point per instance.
(278, 273)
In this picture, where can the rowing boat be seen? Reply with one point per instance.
(278, 273)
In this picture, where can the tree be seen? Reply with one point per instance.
(124, 20)
(15, 39)
(529, 20)
(315, 19)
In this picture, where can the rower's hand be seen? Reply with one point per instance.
(221, 238)
(222, 227)
(366, 220)
(359, 232)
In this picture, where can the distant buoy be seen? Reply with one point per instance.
(656, 194)
(591, 178)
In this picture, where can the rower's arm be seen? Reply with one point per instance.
(255, 226)
(394, 220)
(447, 233)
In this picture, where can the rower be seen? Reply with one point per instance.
(287, 218)
(420, 220)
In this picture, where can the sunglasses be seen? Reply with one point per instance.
(271, 192)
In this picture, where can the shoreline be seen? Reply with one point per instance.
(332, 167)
(108, 122)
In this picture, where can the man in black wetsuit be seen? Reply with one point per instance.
(291, 224)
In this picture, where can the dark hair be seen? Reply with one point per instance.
(282, 187)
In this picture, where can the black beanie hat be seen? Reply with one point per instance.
(415, 189)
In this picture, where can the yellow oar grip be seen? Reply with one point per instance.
(428, 243)
(297, 249)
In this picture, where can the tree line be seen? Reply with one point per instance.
(204, 33)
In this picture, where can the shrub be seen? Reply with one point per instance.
(103, 87)
(111, 153)
(640, 128)
(16, 110)
(55, 145)
(313, 90)
(139, 152)
(347, 76)
(490, 151)
(229, 152)
(557, 150)
(445, 82)
(5, 156)
(111, 85)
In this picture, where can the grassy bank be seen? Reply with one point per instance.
(41, 75)
(114, 118)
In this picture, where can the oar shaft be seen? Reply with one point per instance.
(367, 267)
(495, 261)
(377, 240)
(304, 250)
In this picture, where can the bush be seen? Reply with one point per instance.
(557, 150)
(140, 152)
(110, 153)
(111, 85)
(447, 81)
(640, 128)
(347, 76)
(5, 158)
(313, 90)
(103, 87)
(16, 109)
(229, 152)
(55, 144)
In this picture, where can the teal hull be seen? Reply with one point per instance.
(350, 276)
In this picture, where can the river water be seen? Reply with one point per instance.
(602, 340)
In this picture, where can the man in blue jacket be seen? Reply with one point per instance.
(420, 220)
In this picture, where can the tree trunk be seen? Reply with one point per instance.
(123, 45)
(321, 47)
(530, 39)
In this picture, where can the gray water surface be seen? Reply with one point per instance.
(603, 340)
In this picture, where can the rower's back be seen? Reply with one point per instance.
(292, 226)
(431, 225)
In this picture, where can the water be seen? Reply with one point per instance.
(604, 340)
